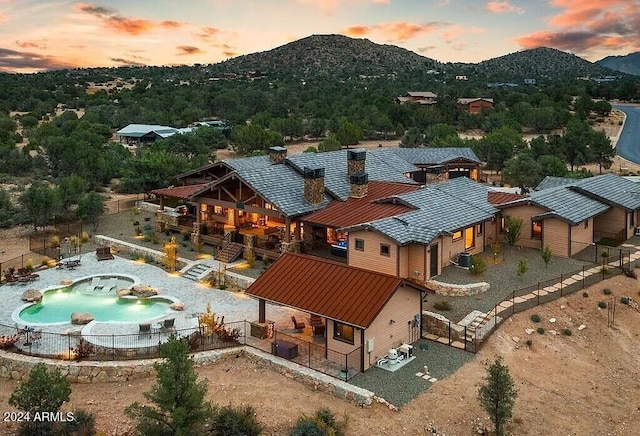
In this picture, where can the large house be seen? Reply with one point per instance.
(426, 98)
(475, 105)
(147, 133)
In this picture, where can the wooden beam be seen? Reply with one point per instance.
(262, 309)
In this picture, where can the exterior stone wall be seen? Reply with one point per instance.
(359, 191)
(118, 245)
(314, 190)
(438, 325)
(17, 367)
(454, 290)
(355, 167)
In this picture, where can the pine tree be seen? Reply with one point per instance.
(498, 395)
(178, 396)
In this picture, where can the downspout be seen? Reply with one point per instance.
(362, 345)
(569, 244)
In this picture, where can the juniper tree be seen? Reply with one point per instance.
(497, 396)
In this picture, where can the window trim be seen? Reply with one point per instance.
(341, 338)
(388, 249)
(358, 241)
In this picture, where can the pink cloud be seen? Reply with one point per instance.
(501, 7)
(32, 44)
(589, 26)
(116, 22)
(453, 32)
(2, 17)
(398, 31)
(328, 5)
(188, 50)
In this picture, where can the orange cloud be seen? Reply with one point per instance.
(398, 31)
(327, 5)
(453, 32)
(584, 26)
(500, 7)
(32, 44)
(118, 23)
(188, 50)
(229, 53)
(2, 17)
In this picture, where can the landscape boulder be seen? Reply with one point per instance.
(142, 291)
(32, 296)
(177, 306)
(123, 292)
(80, 318)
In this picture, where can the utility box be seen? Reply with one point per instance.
(406, 349)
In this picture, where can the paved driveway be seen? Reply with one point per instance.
(628, 145)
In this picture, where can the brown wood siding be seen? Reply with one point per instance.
(610, 223)
(555, 234)
(416, 262)
(525, 212)
(370, 258)
(581, 237)
(404, 262)
(401, 308)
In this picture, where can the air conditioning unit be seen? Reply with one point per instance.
(406, 349)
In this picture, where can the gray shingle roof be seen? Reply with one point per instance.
(335, 166)
(554, 182)
(567, 204)
(442, 208)
(611, 189)
(429, 155)
(139, 130)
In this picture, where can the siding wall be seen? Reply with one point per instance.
(525, 212)
(610, 222)
(416, 258)
(555, 234)
(337, 349)
(401, 308)
(370, 258)
(404, 262)
(581, 237)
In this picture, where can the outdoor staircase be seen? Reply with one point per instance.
(196, 271)
(474, 321)
(229, 252)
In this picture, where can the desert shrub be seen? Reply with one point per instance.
(624, 300)
(147, 228)
(567, 332)
(522, 267)
(322, 423)
(602, 305)
(529, 343)
(84, 238)
(83, 424)
(186, 236)
(138, 231)
(540, 330)
(149, 258)
(585, 294)
(442, 305)
(636, 264)
(606, 291)
(478, 266)
(535, 318)
(29, 265)
(231, 421)
(154, 238)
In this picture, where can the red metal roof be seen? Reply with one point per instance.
(503, 197)
(331, 289)
(183, 192)
(361, 210)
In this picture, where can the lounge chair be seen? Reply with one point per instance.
(145, 330)
(95, 284)
(104, 253)
(297, 325)
(111, 284)
(168, 325)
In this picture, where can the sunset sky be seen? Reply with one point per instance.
(37, 35)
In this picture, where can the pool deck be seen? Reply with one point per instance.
(234, 306)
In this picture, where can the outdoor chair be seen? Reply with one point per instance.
(145, 330)
(35, 337)
(168, 324)
(111, 284)
(104, 253)
(95, 283)
(297, 325)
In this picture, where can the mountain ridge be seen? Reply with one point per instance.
(629, 64)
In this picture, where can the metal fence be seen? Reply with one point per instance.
(614, 262)
(72, 345)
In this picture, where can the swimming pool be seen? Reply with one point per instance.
(58, 304)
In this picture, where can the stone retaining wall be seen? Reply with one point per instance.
(454, 290)
(438, 325)
(17, 367)
(158, 256)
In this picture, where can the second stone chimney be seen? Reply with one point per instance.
(314, 185)
(277, 154)
(359, 185)
(356, 161)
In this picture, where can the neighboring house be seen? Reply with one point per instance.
(147, 133)
(462, 77)
(530, 81)
(427, 98)
(475, 105)
(365, 312)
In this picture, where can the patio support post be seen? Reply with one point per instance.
(297, 230)
(561, 284)
(262, 308)
(287, 231)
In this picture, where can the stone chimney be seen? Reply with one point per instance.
(277, 154)
(314, 185)
(359, 185)
(355, 161)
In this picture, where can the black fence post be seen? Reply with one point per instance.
(538, 294)
(513, 303)
(582, 276)
(449, 332)
(561, 279)
(465, 338)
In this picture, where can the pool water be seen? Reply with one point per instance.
(58, 305)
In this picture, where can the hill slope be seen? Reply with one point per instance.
(540, 62)
(334, 55)
(629, 64)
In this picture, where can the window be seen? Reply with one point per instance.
(586, 224)
(478, 229)
(536, 229)
(360, 244)
(469, 238)
(385, 250)
(457, 235)
(503, 225)
(342, 332)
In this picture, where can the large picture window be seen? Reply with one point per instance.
(342, 332)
